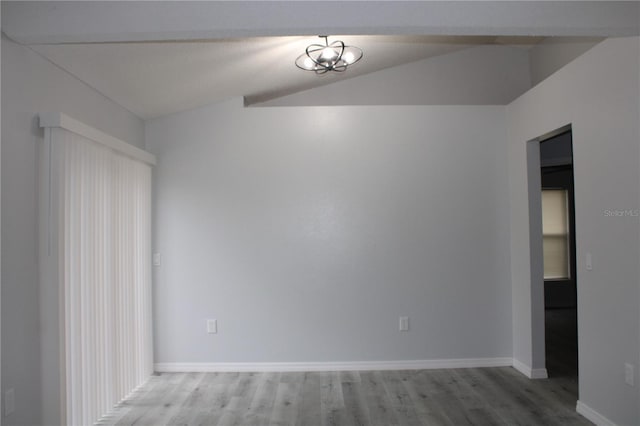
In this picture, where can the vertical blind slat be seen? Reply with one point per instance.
(106, 211)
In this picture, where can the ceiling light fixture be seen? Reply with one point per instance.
(328, 57)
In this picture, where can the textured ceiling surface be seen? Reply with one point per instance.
(152, 79)
(160, 57)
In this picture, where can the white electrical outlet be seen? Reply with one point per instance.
(9, 402)
(212, 326)
(404, 323)
(157, 259)
(629, 375)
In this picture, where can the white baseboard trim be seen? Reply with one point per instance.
(592, 415)
(532, 373)
(206, 367)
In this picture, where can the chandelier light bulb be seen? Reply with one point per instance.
(308, 64)
(348, 57)
(329, 54)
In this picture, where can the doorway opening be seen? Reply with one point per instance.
(559, 257)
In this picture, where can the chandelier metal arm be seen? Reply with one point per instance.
(335, 56)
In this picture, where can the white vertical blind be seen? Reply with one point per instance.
(100, 202)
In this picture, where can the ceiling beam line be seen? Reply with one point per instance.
(54, 22)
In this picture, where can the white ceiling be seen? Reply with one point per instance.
(160, 57)
(154, 79)
(46, 22)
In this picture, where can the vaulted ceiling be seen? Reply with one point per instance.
(153, 79)
(156, 58)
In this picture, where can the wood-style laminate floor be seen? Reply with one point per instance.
(474, 396)
(487, 396)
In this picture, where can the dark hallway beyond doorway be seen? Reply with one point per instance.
(560, 290)
(561, 329)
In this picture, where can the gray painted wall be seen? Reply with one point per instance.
(307, 231)
(555, 52)
(30, 84)
(598, 94)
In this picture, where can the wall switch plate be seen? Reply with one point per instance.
(629, 375)
(212, 326)
(588, 262)
(157, 259)
(9, 402)
(404, 323)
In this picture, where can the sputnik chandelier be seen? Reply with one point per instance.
(328, 57)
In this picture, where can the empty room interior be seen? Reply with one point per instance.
(320, 213)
